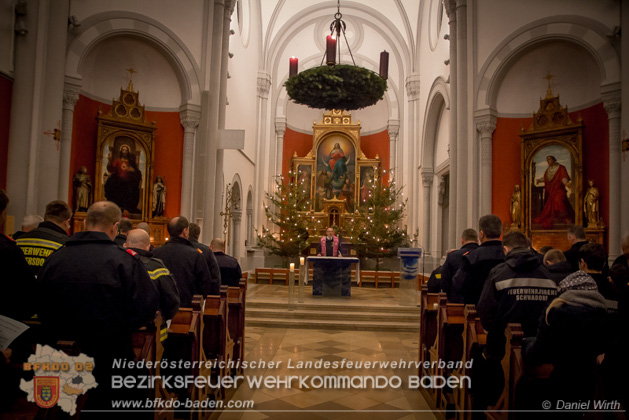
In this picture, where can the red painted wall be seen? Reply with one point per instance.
(372, 145)
(6, 90)
(168, 147)
(506, 159)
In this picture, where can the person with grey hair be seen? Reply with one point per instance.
(49, 236)
(29, 223)
(95, 293)
(139, 242)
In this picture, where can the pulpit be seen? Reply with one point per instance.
(332, 276)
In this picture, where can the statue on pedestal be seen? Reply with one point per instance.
(516, 207)
(159, 197)
(82, 184)
(591, 205)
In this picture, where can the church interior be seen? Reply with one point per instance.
(192, 95)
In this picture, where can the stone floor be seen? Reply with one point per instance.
(291, 346)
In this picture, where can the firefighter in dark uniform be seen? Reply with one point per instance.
(48, 236)
(468, 282)
(139, 241)
(454, 260)
(93, 292)
(17, 278)
(186, 263)
(516, 291)
(230, 269)
(210, 258)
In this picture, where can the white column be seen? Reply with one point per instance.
(190, 121)
(412, 92)
(222, 108)
(261, 179)
(450, 6)
(210, 202)
(280, 130)
(612, 104)
(427, 179)
(394, 129)
(236, 218)
(465, 178)
(485, 125)
(70, 98)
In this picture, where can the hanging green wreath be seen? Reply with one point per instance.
(336, 87)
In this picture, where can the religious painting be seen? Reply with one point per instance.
(367, 181)
(336, 169)
(304, 180)
(124, 174)
(552, 191)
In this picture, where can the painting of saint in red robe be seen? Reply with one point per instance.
(557, 207)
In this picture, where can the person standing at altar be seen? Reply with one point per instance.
(330, 245)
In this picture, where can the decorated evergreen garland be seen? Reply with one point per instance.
(336, 87)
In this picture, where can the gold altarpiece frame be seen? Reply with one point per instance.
(124, 162)
(552, 176)
(335, 174)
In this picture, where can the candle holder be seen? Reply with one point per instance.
(291, 289)
(302, 276)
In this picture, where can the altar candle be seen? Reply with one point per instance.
(292, 267)
(384, 64)
(302, 260)
(293, 66)
(330, 50)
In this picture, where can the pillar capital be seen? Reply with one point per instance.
(264, 84)
(427, 179)
(280, 126)
(393, 128)
(412, 87)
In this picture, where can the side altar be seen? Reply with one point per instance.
(336, 176)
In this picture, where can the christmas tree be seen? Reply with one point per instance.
(282, 210)
(375, 230)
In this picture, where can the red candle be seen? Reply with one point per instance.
(293, 65)
(384, 64)
(330, 50)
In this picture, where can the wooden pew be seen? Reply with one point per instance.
(217, 343)
(147, 345)
(474, 338)
(448, 347)
(514, 370)
(263, 274)
(236, 322)
(427, 325)
(186, 335)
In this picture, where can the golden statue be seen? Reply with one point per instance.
(591, 205)
(516, 207)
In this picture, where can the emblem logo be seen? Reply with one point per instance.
(46, 391)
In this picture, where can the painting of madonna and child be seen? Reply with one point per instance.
(336, 169)
(552, 192)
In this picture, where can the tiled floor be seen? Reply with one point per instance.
(291, 346)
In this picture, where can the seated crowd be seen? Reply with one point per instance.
(571, 307)
(96, 289)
